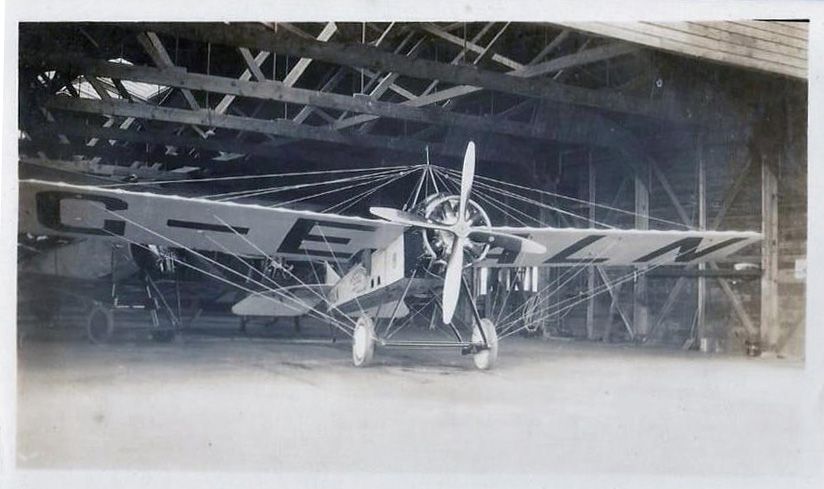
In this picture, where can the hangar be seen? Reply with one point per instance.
(646, 142)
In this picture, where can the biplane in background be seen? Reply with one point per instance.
(373, 267)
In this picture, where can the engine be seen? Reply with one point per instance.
(443, 208)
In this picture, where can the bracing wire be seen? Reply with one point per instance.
(334, 256)
(257, 177)
(198, 254)
(580, 201)
(286, 270)
(487, 200)
(276, 189)
(537, 203)
(598, 290)
(348, 203)
(335, 190)
(487, 189)
(557, 284)
(483, 198)
(290, 295)
(210, 274)
(504, 324)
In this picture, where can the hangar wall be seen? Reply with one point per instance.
(733, 154)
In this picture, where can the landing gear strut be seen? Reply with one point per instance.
(484, 340)
(483, 344)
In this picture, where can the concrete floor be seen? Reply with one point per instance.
(264, 404)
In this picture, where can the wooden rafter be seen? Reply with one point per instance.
(584, 57)
(276, 91)
(469, 45)
(377, 60)
(284, 128)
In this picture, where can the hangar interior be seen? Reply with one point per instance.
(604, 370)
(692, 125)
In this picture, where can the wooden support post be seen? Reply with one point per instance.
(770, 324)
(732, 193)
(640, 311)
(700, 312)
(737, 305)
(591, 269)
(668, 304)
(614, 292)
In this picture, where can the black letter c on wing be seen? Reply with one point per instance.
(48, 212)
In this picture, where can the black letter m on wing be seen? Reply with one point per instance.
(687, 249)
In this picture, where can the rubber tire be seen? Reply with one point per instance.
(100, 325)
(363, 342)
(486, 359)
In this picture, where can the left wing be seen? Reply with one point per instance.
(48, 208)
(632, 247)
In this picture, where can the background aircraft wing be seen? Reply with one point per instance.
(295, 300)
(49, 208)
(608, 247)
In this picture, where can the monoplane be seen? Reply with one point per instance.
(373, 267)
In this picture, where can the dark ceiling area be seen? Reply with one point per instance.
(164, 102)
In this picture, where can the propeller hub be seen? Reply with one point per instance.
(443, 209)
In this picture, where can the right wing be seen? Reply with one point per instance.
(49, 208)
(620, 247)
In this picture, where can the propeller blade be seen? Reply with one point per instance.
(406, 218)
(452, 280)
(509, 242)
(467, 176)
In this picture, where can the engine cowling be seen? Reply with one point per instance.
(443, 208)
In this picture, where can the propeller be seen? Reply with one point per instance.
(407, 218)
(464, 232)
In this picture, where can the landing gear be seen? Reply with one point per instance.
(363, 342)
(487, 355)
(479, 340)
(100, 324)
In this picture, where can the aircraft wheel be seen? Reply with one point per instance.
(486, 359)
(100, 325)
(363, 342)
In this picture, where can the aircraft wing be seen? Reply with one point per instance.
(610, 247)
(49, 208)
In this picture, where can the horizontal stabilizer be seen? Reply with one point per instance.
(290, 301)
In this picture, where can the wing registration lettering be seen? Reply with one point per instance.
(50, 215)
(688, 249)
(55, 208)
(566, 255)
